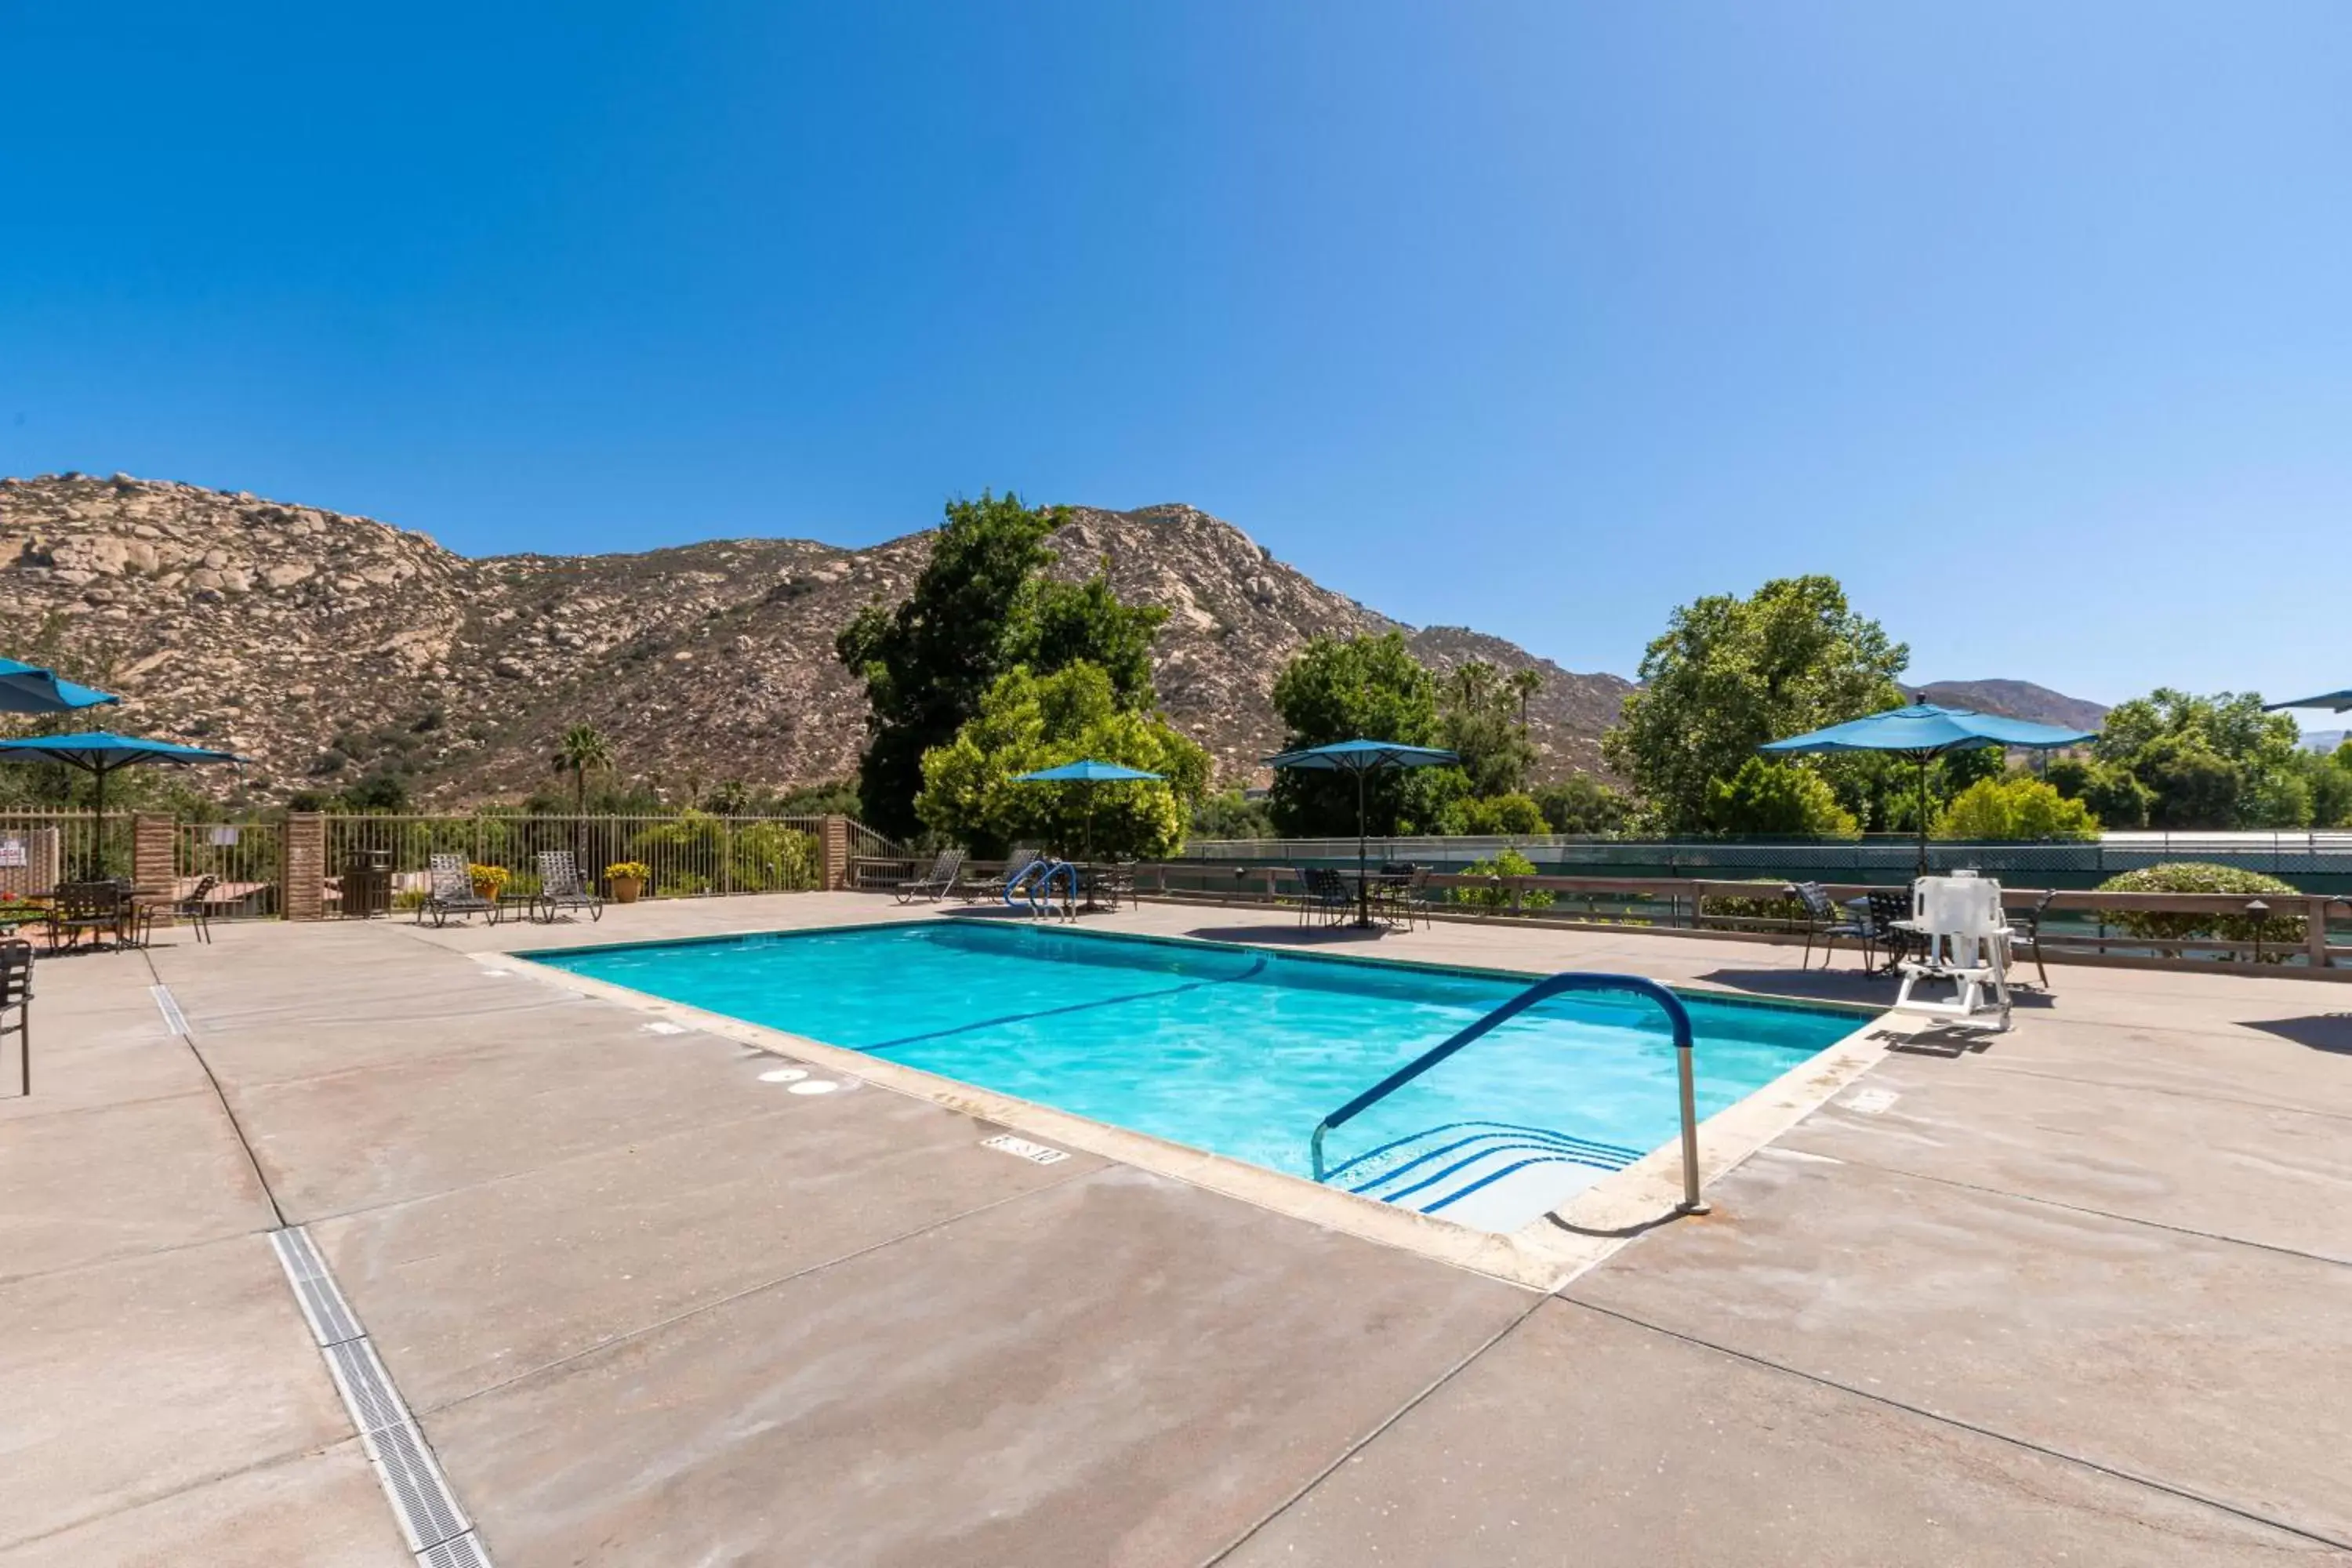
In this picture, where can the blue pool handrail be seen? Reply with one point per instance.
(1543, 990)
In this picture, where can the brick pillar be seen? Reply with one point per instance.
(302, 862)
(151, 862)
(833, 854)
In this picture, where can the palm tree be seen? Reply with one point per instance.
(1525, 684)
(583, 749)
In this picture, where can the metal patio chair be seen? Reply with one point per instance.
(1325, 895)
(2025, 929)
(561, 886)
(17, 1004)
(1825, 922)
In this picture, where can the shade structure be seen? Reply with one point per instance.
(1361, 758)
(101, 753)
(1923, 733)
(29, 688)
(1090, 773)
(2334, 701)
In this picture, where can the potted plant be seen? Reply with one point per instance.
(628, 880)
(488, 880)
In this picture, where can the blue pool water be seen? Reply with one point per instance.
(1236, 1050)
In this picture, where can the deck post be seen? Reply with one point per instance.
(302, 866)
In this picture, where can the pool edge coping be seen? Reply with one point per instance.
(1546, 1254)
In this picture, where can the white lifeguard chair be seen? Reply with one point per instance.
(1967, 935)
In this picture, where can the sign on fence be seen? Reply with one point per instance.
(14, 851)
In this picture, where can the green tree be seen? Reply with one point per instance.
(972, 790)
(583, 751)
(980, 607)
(2018, 807)
(1525, 683)
(1779, 798)
(1067, 621)
(1231, 815)
(2189, 785)
(1730, 674)
(1582, 804)
(2215, 762)
(1362, 688)
(2112, 793)
(1476, 719)
(1494, 813)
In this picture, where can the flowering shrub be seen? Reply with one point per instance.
(629, 870)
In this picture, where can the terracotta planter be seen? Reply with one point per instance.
(487, 892)
(627, 888)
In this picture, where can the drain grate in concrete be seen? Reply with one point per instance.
(174, 1021)
(1036, 1154)
(436, 1529)
(465, 1551)
(322, 1305)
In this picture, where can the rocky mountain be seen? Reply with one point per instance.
(325, 645)
(2014, 699)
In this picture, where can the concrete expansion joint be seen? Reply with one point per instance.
(2027, 1444)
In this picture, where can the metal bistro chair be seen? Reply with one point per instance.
(1400, 893)
(196, 907)
(2025, 929)
(95, 910)
(16, 1002)
(1890, 907)
(1825, 922)
(1325, 895)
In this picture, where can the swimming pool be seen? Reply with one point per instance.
(1241, 1051)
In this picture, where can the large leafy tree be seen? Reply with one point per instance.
(2215, 762)
(1362, 688)
(1730, 674)
(980, 607)
(972, 788)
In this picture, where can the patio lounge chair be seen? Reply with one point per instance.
(561, 886)
(935, 883)
(452, 893)
(1967, 943)
(16, 1002)
(1020, 864)
(1825, 922)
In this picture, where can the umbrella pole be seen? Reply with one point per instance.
(1923, 814)
(1363, 888)
(98, 850)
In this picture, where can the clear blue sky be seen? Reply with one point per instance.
(2031, 321)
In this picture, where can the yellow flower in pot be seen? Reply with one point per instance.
(489, 881)
(628, 879)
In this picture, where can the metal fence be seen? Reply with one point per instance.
(38, 849)
(2317, 862)
(369, 858)
(245, 861)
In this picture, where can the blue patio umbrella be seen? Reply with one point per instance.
(99, 754)
(1923, 733)
(1089, 773)
(2334, 701)
(1361, 758)
(29, 688)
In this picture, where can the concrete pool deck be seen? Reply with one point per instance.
(2084, 1294)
